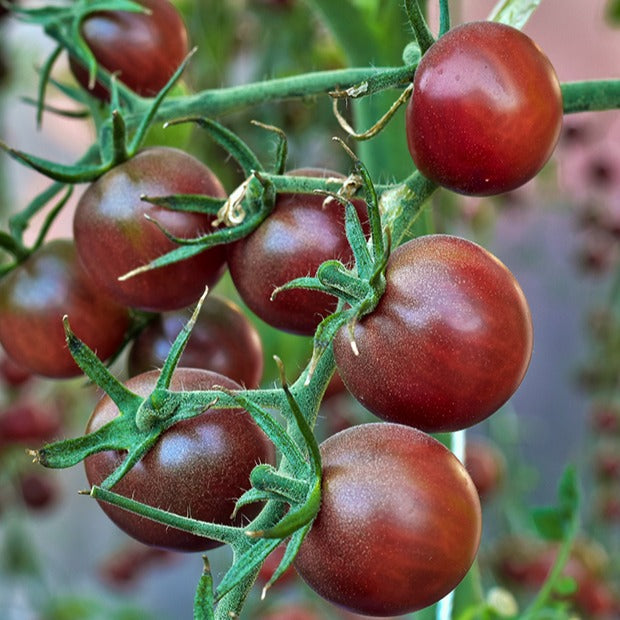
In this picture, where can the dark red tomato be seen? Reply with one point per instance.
(299, 235)
(38, 293)
(486, 110)
(29, 423)
(113, 237)
(399, 524)
(222, 340)
(449, 341)
(144, 49)
(198, 467)
(291, 612)
(38, 491)
(486, 466)
(12, 373)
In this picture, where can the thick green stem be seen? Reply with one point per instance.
(591, 96)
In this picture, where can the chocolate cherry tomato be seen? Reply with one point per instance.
(301, 233)
(144, 49)
(113, 236)
(36, 295)
(399, 524)
(222, 340)
(198, 467)
(486, 110)
(449, 341)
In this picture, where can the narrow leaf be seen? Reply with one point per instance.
(514, 13)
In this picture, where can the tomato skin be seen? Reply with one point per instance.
(38, 293)
(144, 49)
(399, 524)
(113, 237)
(198, 467)
(222, 340)
(449, 341)
(486, 110)
(299, 235)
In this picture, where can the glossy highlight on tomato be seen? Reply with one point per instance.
(198, 467)
(222, 340)
(113, 236)
(36, 295)
(301, 233)
(399, 524)
(486, 110)
(449, 342)
(143, 49)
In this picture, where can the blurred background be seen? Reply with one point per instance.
(60, 557)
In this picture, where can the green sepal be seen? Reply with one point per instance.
(203, 599)
(188, 203)
(13, 246)
(422, 32)
(50, 217)
(281, 151)
(97, 372)
(273, 429)
(266, 478)
(216, 531)
(44, 78)
(334, 276)
(292, 548)
(515, 13)
(229, 141)
(246, 563)
(296, 518)
(252, 496)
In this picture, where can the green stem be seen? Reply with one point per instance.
(591, 96)
(416, 18)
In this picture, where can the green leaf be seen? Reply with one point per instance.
(612, 12)
(514, 13)
(549, 522)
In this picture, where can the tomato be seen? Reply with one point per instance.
(399, 524)
(198, 467)
(38, 293)
(486, 466)
(299, 235)
(113, 237)
(449, 341)
(38, 491)
(486, 110)
(29, 423)
(144, 49)
(222, 340)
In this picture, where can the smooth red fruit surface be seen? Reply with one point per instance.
(449, 341)
(399, 524)
(198, 467)
(486, 110)
(222, 340)
(29, 423)
(301, 233)
(143, 49)
(36, 295)
(113, 236)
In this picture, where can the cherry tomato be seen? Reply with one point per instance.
(486, 110)
(222, 340)
(449, 341)
(486, 466)
(198, 467)
(38, 293)
(29, 423)
(144, 49)
(301, 233)
(113, 237)
(38, 491)
(399, 524)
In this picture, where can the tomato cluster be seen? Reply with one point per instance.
(446, 344)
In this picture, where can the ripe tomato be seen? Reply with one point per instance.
(222, 340)
(198, 467)
(38, 293)
(113, 237)
(145, 49)
(486, 110)
(449, 341)
(299, 235)
(399, 524)
(486, 465)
